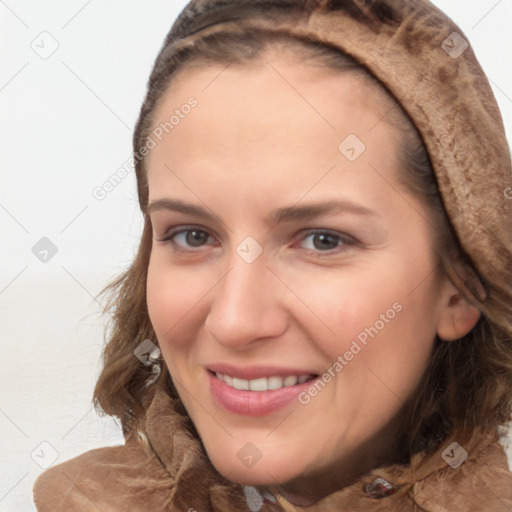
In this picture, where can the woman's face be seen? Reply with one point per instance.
(298, 253)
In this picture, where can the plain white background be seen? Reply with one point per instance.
(66, 125)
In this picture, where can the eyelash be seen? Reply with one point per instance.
(343, 239)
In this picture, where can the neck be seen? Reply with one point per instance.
(308, 490)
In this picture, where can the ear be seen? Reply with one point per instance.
(457, 315)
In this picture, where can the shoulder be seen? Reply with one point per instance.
(482, 482)
(100, 479)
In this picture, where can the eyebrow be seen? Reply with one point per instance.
(284, 214)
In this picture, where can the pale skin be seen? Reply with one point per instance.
(254, 145)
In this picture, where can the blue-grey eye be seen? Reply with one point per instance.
(191, 237)
(323, 241)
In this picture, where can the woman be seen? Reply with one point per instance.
(319, 314)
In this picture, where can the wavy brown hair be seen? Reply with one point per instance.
(467, 387)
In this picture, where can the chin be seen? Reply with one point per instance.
(261, 473)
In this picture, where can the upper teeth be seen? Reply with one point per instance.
(264, 383)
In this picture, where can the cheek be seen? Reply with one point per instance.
(173, 297)
(345, 306)
(396, 354)
(383, 331)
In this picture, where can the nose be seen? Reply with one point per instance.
(248, 305)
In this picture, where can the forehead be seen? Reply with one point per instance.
(269, 105)
(272, 127)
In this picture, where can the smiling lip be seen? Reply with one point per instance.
(254, 403)
(257, 372)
